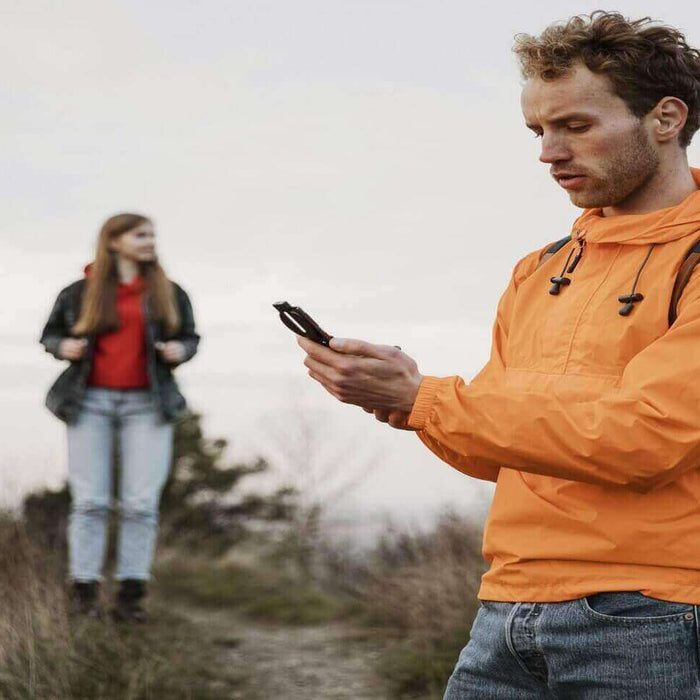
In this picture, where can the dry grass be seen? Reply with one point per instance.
(46, 655)
(420, 591)
(259, 593)
(416, 591)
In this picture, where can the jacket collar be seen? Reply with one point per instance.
(661, 226)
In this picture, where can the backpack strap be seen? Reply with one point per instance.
(554, 248)
(692, 258)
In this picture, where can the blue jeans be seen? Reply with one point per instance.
(608, 646)
(145, 445)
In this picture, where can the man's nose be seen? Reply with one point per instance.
(554, 149)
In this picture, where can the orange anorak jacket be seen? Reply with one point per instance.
(587, 420)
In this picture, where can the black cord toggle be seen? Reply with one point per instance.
(629, 300)
(557, 283)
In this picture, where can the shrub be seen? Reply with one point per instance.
(421, 590)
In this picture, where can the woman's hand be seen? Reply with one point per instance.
(172, 352)
(72, 348)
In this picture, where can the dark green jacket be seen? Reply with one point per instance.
(65, 396)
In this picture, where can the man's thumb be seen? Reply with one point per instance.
(337, 344)
(360, 348)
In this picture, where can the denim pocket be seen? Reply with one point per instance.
(634, 606)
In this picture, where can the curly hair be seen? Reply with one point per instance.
(645, 61)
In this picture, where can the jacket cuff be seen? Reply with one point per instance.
(423, 403)
(190, 345)
(51, 345)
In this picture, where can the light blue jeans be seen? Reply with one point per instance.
(608, 646)
(145, 444)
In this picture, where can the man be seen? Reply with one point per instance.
(587, 414)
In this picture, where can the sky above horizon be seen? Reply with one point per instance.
(367, 160)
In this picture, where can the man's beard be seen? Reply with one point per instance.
(625, 174)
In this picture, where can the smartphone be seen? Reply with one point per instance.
(297, 320)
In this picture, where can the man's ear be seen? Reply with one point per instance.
(668, 118)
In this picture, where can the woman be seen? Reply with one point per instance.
(122, 328)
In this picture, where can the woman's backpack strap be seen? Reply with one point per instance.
(692, 258)
(554, 248)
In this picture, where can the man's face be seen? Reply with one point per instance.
(596, 148)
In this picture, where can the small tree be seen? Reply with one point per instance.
(202, 504)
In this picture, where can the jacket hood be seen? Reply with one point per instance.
(661, 226)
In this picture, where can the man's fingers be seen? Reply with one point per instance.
(334, 356)
(327, 373)
(317, 351)
(396, 419)
(351, 346)
(399, 420)
(382, 415)
(321, 381)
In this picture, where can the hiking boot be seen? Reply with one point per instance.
(85, 599)
(130, 598)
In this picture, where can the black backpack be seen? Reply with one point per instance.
(692, 258)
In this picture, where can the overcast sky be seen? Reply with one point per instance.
(365, 159)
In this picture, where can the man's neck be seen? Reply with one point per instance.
(669, 186)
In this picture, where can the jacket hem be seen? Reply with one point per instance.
(573, 590)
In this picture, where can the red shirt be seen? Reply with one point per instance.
(119, 358)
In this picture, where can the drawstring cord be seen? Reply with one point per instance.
(629, 300)
(562, 280)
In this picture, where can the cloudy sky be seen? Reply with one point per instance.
(365, 159)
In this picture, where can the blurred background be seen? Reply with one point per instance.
(364, 159)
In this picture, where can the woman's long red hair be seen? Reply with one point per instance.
(98, 313)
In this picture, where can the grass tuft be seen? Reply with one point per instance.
(420, 595)
(260, 594)
(44, 653)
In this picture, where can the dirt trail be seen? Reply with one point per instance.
(331, 661)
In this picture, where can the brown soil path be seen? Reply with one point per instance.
(332, 661)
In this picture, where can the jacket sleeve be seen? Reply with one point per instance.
(641, 435)
(467, 462)
(187, 334)
(55, 330)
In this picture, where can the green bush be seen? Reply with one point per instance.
(260, 594)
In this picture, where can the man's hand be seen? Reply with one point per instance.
(396, 419)
(172, 352)
(380, 378)
(72, 349)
